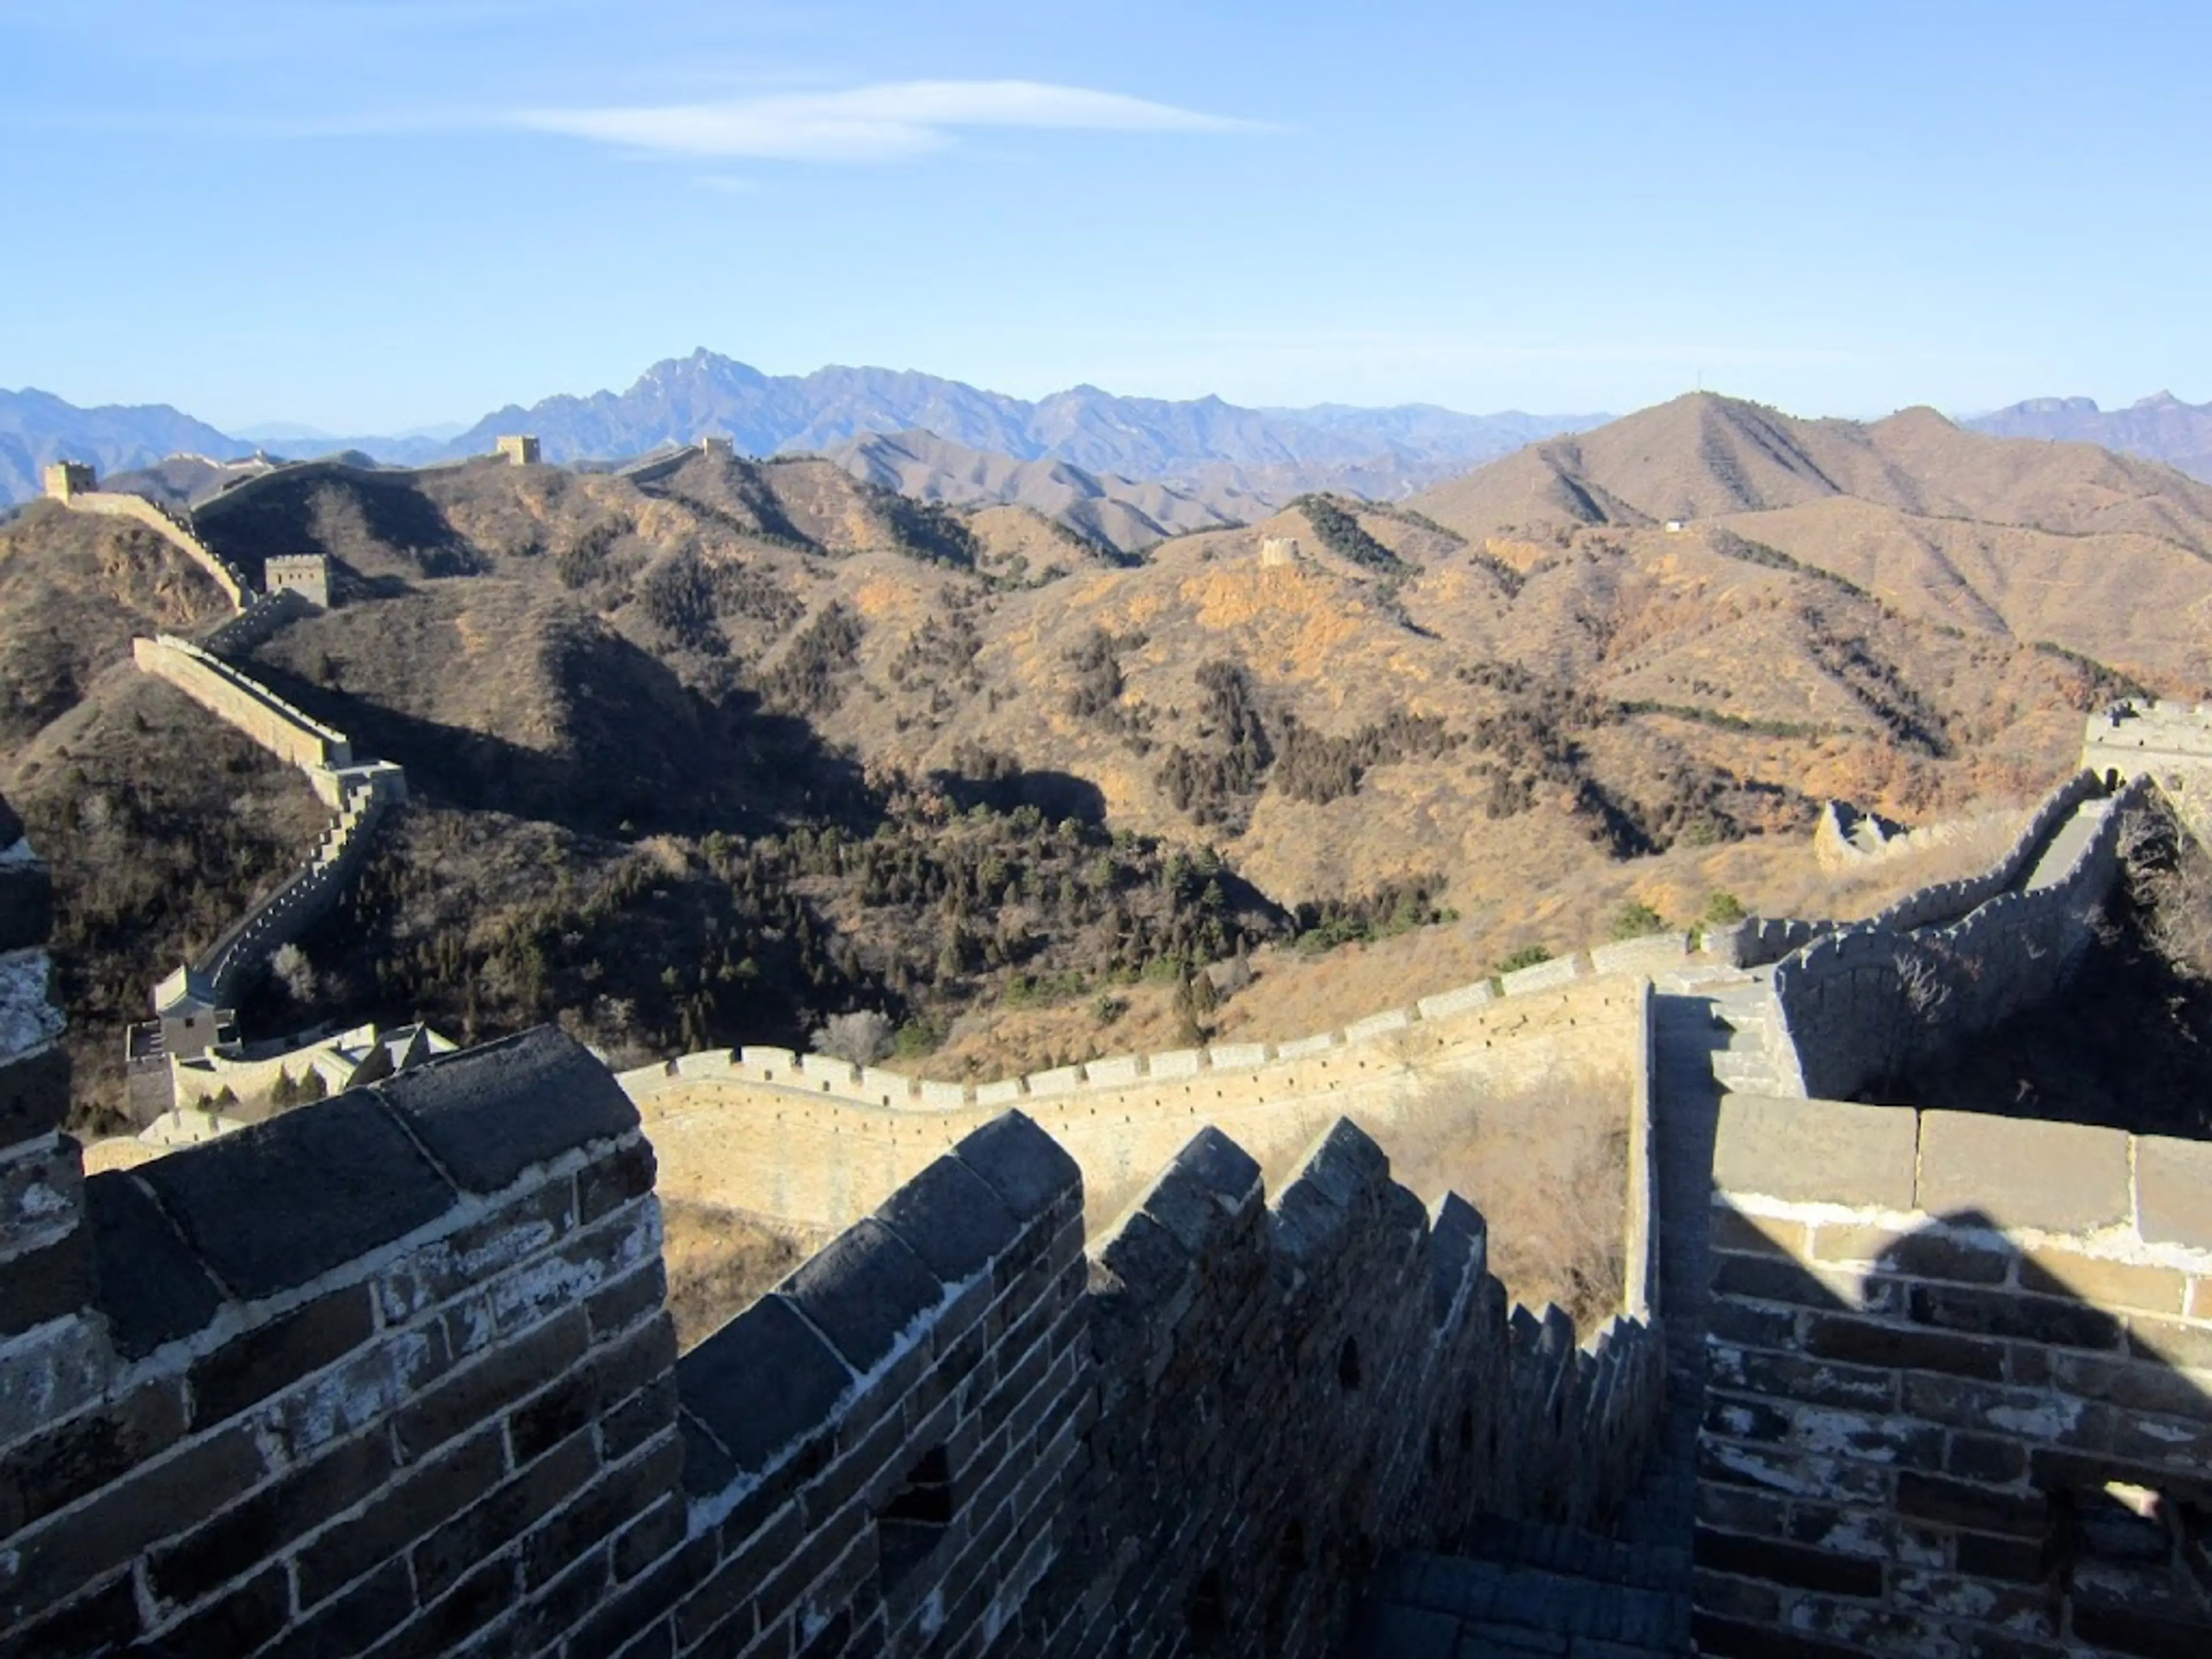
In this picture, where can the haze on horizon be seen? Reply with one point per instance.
(376, 215)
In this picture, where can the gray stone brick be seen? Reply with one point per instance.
(489, 1112)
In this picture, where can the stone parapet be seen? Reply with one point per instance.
(773, 1133)
(1869, 1000)
(1960, 1385)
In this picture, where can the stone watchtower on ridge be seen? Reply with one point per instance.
(307, 575)
(2168, 743)
(66, 478)
(519, 448)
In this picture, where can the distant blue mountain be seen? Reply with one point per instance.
(685, 398)
(37, 428)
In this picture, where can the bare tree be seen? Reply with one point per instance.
(863, 1036)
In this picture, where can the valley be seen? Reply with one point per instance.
(712, 749)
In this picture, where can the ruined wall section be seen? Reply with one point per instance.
(805, 1138)
(1961, 1395)
(1871, 1001)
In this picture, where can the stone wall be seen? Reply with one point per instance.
(1868, 1002)
(2170, 743)
(233, 697)
(804, 1139)
(361, 795)
(265, 615)
(393, 1371)
(306, 896)
(171, 527)
(1961, 1395)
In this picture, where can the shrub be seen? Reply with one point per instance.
(1637, 920)
(1529, 955)
(1723, 909)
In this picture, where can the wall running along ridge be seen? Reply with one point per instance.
(1872, 1000)
(394, 1368)
(361, 794)
(808, 1140)
(2170, 743)
(173, 527)
(1934, 1338)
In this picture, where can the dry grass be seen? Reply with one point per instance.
(1985, 834)
(721, 1261)
(1548, 1168)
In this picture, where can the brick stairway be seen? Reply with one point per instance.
(1518, 1588)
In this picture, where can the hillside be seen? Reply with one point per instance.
(1122, 514)
(2102, 553)
(2160, 428)
(716, 749)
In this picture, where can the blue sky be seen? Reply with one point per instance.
(367, 214)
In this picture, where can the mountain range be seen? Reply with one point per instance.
(1217, 451)
(2161, 427)
(742, 712)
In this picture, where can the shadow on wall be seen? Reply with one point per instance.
(1939, 1441)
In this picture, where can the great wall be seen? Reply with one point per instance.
(393, 1372)
(192, 1006)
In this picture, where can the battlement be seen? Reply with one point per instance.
(396, 1365)
(1869, 1000)
(518, 449)
(813, 1140)
(307, 575)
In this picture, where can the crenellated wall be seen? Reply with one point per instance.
(173, 527)
(1961, 1396)
(361, 795)
(239, 699)
(1870, 1000)
(806, 1139)
(394, 1369)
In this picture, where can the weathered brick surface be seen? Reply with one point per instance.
(394, 1375)
(1921, 1471)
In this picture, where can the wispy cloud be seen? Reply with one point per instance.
(870, 124)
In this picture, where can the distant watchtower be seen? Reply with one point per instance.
(67, 479)
(1278, 549)
(519, 448)
(307, 575)
(717, 446)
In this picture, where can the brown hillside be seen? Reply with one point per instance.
(2102, 553)
(709, 756)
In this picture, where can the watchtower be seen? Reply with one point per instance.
(67, 479)
(519, 448)
(2169, 743)
(1278, 549)
(719, 447)
(307, 575)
